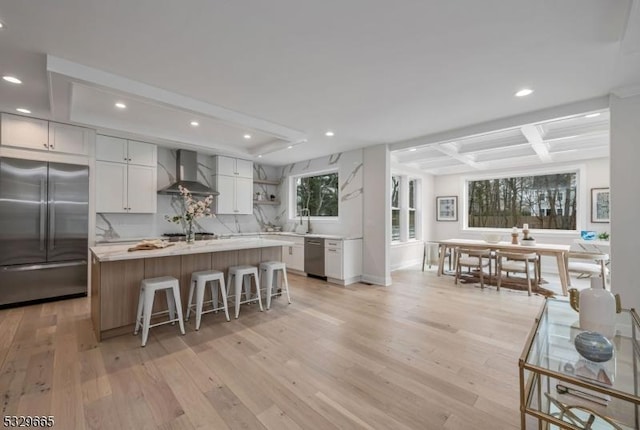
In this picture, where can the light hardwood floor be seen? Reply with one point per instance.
(421, 354)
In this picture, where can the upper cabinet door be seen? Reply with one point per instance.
(244, 168)
(111, 149)
(226, 200)
(143, 154)
(244, 196)
(69, 139)
(142, 189)
(225, 166)
(24, 132)
(111, 187)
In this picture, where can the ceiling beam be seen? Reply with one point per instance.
(451, 150)
(534, 135)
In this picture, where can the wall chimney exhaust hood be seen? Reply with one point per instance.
(187, 176)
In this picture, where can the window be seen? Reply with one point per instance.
(318, 193)
(395, 208)
(542, 201)
(412, 209)
(405, 213)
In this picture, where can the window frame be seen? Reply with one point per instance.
(581, 197)
(413, 209)
(396, 208)
(403, 208)
(293, 195)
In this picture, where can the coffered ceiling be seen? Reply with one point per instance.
(286, 72)
(577, 137)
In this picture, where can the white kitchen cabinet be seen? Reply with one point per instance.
(125, 188)
(23, 132)
(233, 179)
(116, 149)
(235, 195)
(333, 263)
(293, 254)
(343, 260)
(33, 133)
(229, 166)
(69, 138)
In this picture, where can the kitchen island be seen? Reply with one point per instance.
(116, 274)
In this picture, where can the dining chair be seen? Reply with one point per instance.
(473, 259)
(518, 262)
(588, 264)
(426, 254)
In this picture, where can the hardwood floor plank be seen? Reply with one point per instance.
(193, 402)
(419, 354)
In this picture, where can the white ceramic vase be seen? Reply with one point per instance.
(598, 309)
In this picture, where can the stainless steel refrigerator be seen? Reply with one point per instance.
(44, 209)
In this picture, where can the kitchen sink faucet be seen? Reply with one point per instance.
(302, 211)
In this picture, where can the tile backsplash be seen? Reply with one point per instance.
(112, 226)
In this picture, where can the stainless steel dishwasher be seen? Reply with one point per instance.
(314, 256)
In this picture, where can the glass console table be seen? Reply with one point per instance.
(560, 389)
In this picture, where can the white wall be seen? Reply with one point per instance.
(625, 200)
(594, 174)
(377, 216)
(350, 178)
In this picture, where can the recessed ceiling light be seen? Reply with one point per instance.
(412, 149)
(195, 123)
(121, 105)
(1, 25)
(12, 79)
(524, 92)
(247, 136)
(23, 110)
(592, 115)
(290, 146)
(329, 133)
(260, 156)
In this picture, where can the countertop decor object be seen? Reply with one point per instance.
(594, 346)
(192, 209)
(597, 308)
(528, 241)
(492, 237)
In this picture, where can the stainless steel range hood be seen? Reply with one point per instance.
(187, 176)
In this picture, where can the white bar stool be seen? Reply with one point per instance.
(239, 275)
(198, 283)
(269, 274)
(148, 289)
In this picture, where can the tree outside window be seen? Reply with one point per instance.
(412, 209)
(542, 201)
(319, 194)
(395, 208)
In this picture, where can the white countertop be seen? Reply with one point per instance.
(241, 235)
(120, 252)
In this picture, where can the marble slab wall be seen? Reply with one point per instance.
(349, 165)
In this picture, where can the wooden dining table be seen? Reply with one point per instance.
(551, 249)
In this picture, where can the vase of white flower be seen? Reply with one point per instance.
(192, 209)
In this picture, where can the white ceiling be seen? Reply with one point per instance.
(286, 71)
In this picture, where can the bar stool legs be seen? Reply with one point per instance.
(242, 275)
(198, 284)
(148, 290)
(269, 273)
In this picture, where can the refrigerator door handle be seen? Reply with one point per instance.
(28, 267)
(52, 216)
(43, 213)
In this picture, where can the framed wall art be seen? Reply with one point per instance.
(447, 208)
(599, 204)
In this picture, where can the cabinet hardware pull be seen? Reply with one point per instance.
(51, 145)
(46, 145)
